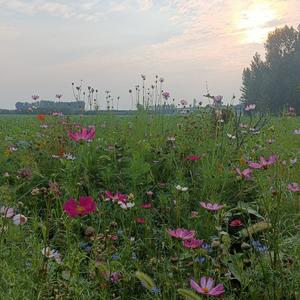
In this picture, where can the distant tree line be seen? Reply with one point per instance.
(274, 83)
(48, 107)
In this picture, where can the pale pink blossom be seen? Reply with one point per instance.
(207, 287)
(181, 233)
(211, 206)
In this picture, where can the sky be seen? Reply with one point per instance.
(192, 44)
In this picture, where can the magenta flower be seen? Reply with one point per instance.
(206, 287)
(211, 206)
(84, 206)
(192, 244)
(263, 162)
(245, 174)
(294, 187)
(193, 158)
(85, 134)
(181, 233)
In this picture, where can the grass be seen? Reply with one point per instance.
(135, 155)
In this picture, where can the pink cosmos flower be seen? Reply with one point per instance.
(236, 223)
(245, 174)
(166, 95)
(263, 162)
(84, 206)
(206, 287)
(250, 107)
(116, 197)
(149, 194)
(294, 187)
(192, 244)
(270, 141)
(193, 158)
(85, 134)
(217, 99)
(7, 212)
(184, 102)
(211, 206)
(181, 233)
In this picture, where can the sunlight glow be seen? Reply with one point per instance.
(255, 22)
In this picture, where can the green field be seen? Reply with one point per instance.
(163, 166)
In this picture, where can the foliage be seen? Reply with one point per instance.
(273, 83)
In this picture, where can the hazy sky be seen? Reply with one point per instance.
(46, 45)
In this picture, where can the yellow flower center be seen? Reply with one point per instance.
(80, 209)
(206, 290)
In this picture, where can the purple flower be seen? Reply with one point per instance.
(207, 287)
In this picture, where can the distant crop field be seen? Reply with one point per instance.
(150, 207)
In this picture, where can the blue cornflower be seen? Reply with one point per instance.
(155, 290)
(199, 259)
(116, 256)
(206, 247)
(86, 246)
(120, 232)
(259, 246)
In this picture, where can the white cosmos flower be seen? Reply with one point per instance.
(52, 254)
(233, 137)
(19, 219)
(69, 156)
(181, 188)
(127, 205)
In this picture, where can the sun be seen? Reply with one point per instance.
(255, 22)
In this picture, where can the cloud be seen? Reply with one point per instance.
(145, 4)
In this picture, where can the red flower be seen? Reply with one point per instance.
(236, 223)
(146, 205)
(140, 220)
(83, 207)
(41, 117)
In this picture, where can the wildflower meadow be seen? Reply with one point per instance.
(191, 206)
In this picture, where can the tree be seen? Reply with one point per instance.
(274, 83)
